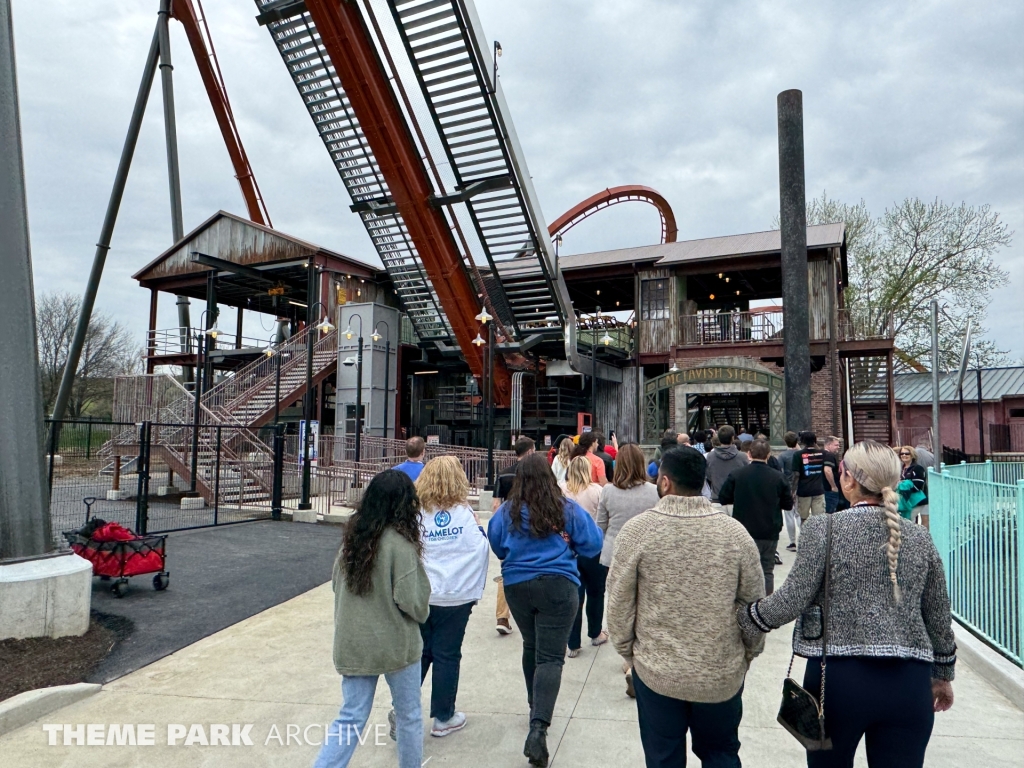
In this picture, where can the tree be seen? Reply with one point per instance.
(916, 252)
(109, 351)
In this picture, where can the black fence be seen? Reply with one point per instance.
(155, 477)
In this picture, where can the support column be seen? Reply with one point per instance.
(793, 223)
(171, 139)
(24, 497)
(154, 299)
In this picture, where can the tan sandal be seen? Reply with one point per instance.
(574, 652)
(601, 639)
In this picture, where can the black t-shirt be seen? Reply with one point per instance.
(832, 461)
(807, 465)
(503, 485)
(609, 465)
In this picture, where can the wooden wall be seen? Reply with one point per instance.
(616, 406)
(658, 335)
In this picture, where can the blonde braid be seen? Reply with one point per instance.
(877, 470)
(890, 500)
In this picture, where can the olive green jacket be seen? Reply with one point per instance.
(379, 632)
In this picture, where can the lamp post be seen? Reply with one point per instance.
(325, 326)
(494, 73)
(359, 378)
(387, 367)
(271, 352)
(593, 371)
(484, 318)
(197, 392)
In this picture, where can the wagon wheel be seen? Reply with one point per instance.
(160, 581)
(120, 588)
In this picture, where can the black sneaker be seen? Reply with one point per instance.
(536, 748)
(778, 559)
(791, 547)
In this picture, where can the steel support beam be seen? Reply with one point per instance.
(171, 140)
(24, 497)
(355, 61)
(793, 223)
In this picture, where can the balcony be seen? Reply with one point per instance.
(767, 327)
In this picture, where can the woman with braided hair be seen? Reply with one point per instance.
(891, 651)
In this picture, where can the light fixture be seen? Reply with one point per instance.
(727, 279)
(674, 368)
(616, 303)
(606, 339)
(423, 373)
(598, 291)
(375, 336)
(359, 292)
(712, 297)
(348, 332)
(497, 49)
(212, 332)
(348, 362)
(298, 304)
(479, 341)
(719, 275)
(269, 351)
(325, 326)
(737, 293)
(483, 317)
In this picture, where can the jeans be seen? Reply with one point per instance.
(349, 729)
(714, 729)
(832, 501)
(593, 576)
(886, 701)
(767, 548)
(442, 634)
(544, 609)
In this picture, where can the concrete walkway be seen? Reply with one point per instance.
(274, 670)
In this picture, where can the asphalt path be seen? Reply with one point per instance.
(219, 576)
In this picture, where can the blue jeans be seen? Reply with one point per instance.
(832, 501)
(664, 721)
(442, 633)
(349, 730)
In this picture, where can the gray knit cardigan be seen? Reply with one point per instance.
(865, 619)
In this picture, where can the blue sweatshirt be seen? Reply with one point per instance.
(524, 557)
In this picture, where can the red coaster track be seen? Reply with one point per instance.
(614, 196)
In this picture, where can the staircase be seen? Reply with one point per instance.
(242, 402)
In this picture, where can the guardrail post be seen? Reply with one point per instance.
(277, 492)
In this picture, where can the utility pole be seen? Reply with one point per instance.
(24, 497)
(936, 435)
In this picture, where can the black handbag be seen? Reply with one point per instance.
(800, 713)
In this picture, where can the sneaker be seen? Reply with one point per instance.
(791, 547)
(778, 559)
(504, 627)
(444, 727)
(601, 639)
(536, 748)
(392, 726)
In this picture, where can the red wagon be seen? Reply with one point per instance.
(118, 553)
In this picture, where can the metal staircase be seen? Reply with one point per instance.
(310, 67)
(425, 81)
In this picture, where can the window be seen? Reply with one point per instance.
(654, 299)
(1017, 413)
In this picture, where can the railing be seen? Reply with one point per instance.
(976, 512)
(1006, 438)
(767, 326)
(604, 331)
(384, 453)
(167, 341)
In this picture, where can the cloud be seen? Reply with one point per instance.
(922, 99)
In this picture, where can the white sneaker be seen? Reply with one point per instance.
(443, 728)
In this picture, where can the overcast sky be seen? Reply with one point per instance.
(924, 98)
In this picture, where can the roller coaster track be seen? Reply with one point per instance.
(614, 196)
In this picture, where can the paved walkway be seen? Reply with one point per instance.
(274, 669)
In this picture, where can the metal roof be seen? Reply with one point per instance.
(240, 241)
(751, 244)
(996, 383)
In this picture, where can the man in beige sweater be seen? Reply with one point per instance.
(678, 573)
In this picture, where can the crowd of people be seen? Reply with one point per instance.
(671, 559)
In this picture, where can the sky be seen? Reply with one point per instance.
(923, 98)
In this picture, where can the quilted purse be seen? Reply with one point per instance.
(801, 713)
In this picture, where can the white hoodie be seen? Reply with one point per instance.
(455, 555)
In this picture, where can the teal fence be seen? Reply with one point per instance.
(976, 512)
